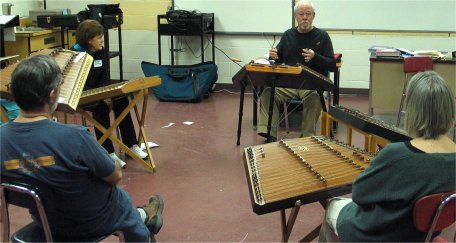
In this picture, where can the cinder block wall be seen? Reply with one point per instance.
(140, 42)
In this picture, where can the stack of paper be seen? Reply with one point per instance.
(375, 48)
(387, 53)
(430, 53)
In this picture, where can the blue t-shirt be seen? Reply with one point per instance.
(68, 159)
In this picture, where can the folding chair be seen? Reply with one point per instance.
(434, 213)
(37, 199)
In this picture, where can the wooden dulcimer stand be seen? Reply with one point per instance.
(140, 89)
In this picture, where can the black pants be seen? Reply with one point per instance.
(100, 112)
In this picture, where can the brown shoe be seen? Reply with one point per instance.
(154, 210)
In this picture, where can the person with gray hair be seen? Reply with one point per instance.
(31, 97)
(384, 194)
(429, 114)
(69, 161)
(305, 45)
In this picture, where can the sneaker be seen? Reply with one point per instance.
(154, 209)
(115, 157)
(138, 151)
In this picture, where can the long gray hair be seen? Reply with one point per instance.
(429, 106)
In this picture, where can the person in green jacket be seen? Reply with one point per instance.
(384, 194)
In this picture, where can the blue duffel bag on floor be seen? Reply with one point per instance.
(183, 82)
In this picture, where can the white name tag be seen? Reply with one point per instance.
(97, 63)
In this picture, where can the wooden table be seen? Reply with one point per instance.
(387, 80)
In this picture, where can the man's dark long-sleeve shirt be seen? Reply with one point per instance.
(292, 42)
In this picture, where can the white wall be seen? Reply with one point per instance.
(272, 16)
(22, 7)
(141, 45)
(74, 5)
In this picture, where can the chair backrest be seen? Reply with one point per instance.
(338, 58)
(417, 64)
(434, 212)
(23, 195)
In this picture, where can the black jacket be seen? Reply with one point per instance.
(98, 75)
(292, 42)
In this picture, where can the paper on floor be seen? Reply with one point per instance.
(150, 144)
(170, 124)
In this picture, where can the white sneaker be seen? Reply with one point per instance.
(137, 150)
(115, 157)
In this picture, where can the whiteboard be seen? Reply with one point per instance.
(275, 16)
(425, 15)
(255, 16)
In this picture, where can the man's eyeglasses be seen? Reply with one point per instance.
(307, 14)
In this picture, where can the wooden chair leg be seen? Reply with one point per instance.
(348, 136)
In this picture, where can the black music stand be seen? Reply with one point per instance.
(303, 80)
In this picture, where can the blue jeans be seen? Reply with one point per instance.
(133, 228)
(122, 216)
